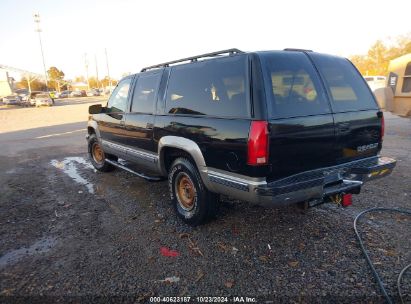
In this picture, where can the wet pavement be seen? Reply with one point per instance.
(39, 247)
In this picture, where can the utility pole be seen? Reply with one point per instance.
(86, 65)
(29, 83)
(108, 70)
(38, 30)
(95, 60)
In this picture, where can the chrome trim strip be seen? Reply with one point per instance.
(236, 178)
(139, 153)
(233, 184)
(228, 182)
(142, 175)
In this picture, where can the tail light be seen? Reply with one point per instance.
(258, 143)
(382, 126)
(347, 200)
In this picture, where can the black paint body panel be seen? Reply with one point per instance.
(223, 142)
(355, 130)
(301, 144)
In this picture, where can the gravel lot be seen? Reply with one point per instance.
(69, 233)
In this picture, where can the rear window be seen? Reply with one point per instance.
(406, 85)
(293, 86)
(211, 87)
(345, 85)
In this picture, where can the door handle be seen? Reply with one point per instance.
(344, 127)
(122, 123)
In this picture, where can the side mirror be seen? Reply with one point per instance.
(95, 109)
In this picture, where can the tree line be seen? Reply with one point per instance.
(56, 82)
(376, 61)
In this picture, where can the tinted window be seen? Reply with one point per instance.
(212, 87)
(118, 99)
(145, 92)
(347, 89)
(406, 85)
(408, 69)
(293, 86)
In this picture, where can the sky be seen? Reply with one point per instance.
(141, 33)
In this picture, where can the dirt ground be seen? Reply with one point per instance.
(71, 234)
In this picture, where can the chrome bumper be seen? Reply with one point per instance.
(310, 185)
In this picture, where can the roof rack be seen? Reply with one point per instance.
(297, 50)
(194, 58)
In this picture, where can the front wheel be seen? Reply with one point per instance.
(191, 200)
(97, 155)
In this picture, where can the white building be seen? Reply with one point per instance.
(6, 85)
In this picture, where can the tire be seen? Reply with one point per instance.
(193, 203)
(97, 155)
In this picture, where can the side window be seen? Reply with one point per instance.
(118, 99)
(344, 83)
(213, 87)
(294, 86)
(145, 92)
(406, 84)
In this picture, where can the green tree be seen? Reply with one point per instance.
(360, 61)
(55, 78)
(377, 59)
(93, 81)
(35, 84)
(379, 55)
(105, 82)
(79, 79)
(401, 47)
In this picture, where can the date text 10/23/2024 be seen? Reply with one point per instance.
(200, 299)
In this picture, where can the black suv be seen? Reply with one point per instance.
(271, 128)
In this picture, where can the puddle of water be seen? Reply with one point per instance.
(41, 246)
(68, 165)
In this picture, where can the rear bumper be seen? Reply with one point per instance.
(310, 185)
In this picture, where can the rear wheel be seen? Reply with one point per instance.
(97, 155)
(192, 201)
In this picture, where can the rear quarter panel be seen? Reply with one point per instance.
(223, 142)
